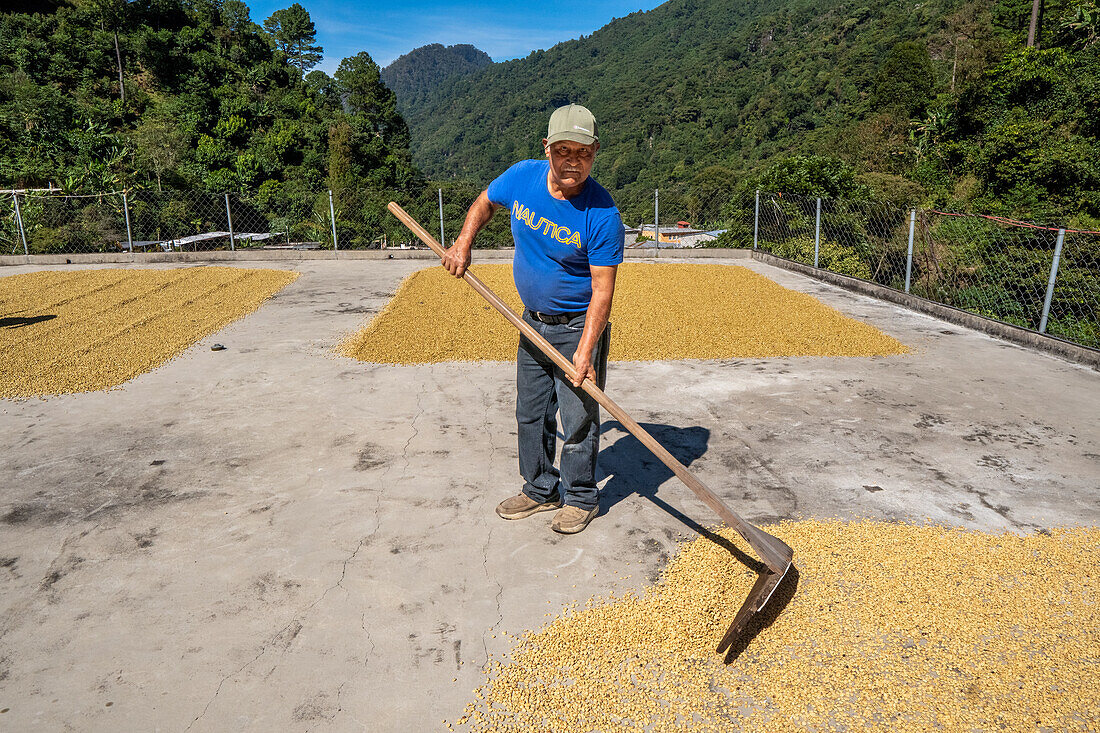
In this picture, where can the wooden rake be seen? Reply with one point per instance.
(776, 554)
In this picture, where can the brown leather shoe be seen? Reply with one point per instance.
(521, 505)
(571, 519)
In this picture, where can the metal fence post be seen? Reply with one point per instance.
(229, 218)
(19, 222)
(332, 218)
(656, 223)
(909, 256)
(756, 222)
(442, 238)
(817, 232)
(126, 212)
(1050, 282)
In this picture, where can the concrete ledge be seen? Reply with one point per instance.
(1000, 329)
(718, 253)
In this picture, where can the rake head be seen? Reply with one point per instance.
(762, 591)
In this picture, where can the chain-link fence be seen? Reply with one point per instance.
(189, 221)
(1043, 278)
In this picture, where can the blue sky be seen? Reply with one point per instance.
(504, 29)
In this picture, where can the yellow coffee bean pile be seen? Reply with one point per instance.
(84, 330)
(893, 627)
(661, 311)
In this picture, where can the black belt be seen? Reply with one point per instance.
(556, 319)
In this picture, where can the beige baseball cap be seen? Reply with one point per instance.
(572, 122)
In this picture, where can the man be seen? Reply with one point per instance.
(569, 242)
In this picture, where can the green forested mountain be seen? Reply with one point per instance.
(97, 95)
(937, 101)
(413, 76)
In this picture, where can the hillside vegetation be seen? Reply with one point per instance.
(102, 95)
(936, 102)
(414, 75)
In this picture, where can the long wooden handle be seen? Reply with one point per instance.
(773, 551)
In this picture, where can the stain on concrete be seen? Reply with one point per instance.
(60, 571)
(436, 653)
(34, 514)
(929, 421)
(993, 461)
(145, 539)
(982, 435)
(962, 510)
(95, 486)
(370, 456)
(349, 308)
(272, 589)
(287, 636)
(941, 477)
(317, 707)
(736, 462)
(1000, 509)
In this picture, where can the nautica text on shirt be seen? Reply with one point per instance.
(560, 233)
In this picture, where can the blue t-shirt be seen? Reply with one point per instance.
(557, 240)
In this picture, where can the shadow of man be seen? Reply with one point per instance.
(635, 470)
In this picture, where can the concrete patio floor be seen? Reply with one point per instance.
(272, 537)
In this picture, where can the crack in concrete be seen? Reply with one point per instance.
(362, 618)
(217, 691)
(500, 591)
(415, 429)
(282, 631)
(363, 626)
(488, 540)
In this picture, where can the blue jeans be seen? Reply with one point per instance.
(542, 391)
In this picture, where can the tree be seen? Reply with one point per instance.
(339, 157)
(366, 97)
(295, 34)
(813, 175)
(905, 80)
(159, 145)
(111, 14)
(379, 140)
(236, 16)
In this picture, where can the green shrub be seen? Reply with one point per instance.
(832, 256)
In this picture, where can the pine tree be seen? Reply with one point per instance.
(295, 35)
